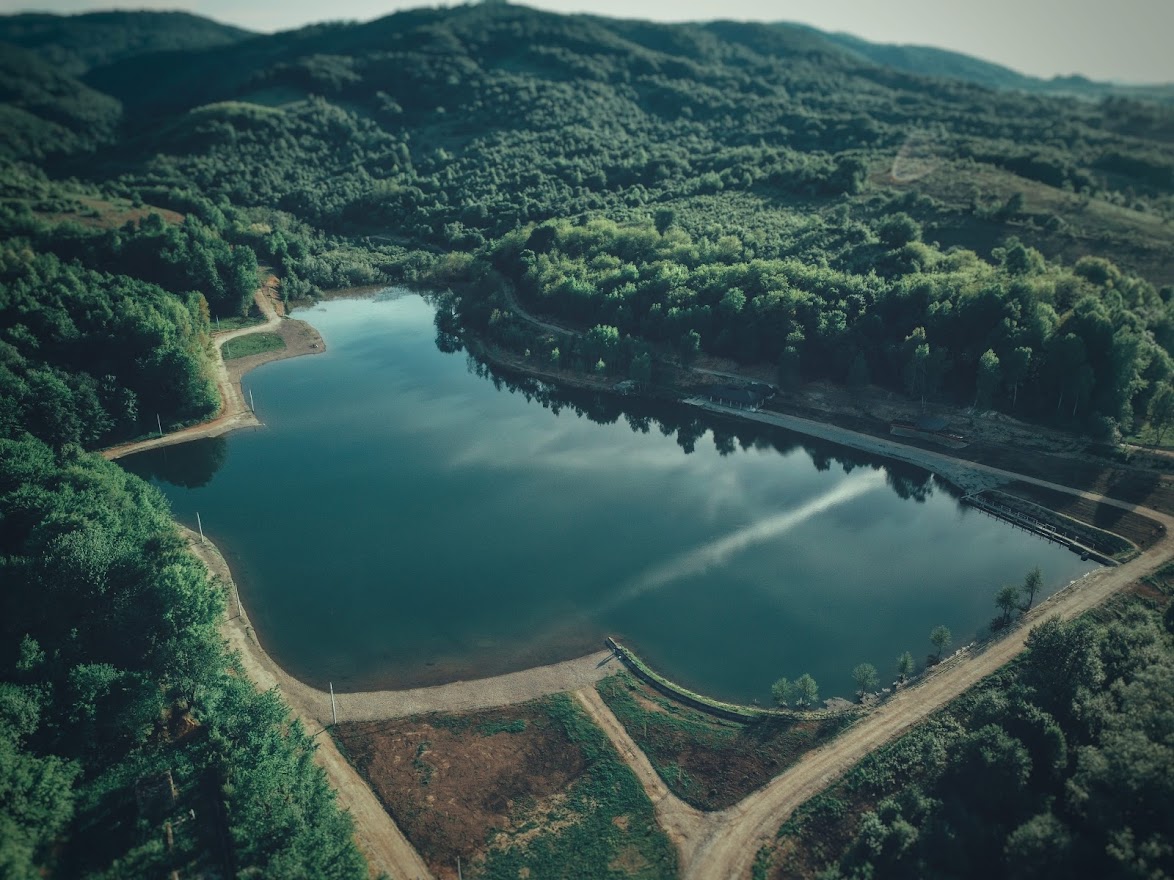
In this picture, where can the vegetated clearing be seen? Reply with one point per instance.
(99, 213)
(253, 343)
(530, 791)
(709, 762)
(1063, 225)
(1141, 530)
(236, 322)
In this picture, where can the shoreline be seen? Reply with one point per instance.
(382, 705)
(300, 337)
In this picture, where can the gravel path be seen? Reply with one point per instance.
(686, 826)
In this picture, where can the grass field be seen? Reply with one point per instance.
(236, 322)
(254, 343)
(710, 762)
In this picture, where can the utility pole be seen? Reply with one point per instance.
(459, 875)
(333, 707)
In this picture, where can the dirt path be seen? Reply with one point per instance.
(686, 826)
(738, 833)
(299, 337)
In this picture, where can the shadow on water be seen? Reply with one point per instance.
(190, 465)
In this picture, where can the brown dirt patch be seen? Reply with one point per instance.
(629, 861)
(451, 781)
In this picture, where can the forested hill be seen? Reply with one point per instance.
(813, 209)
(752, 191)
(76, 43)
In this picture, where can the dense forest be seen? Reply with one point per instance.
(916, 221)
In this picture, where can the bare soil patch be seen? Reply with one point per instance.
(523, 791)
(450, 782)
(710, 763)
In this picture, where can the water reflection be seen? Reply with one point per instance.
(189, 465)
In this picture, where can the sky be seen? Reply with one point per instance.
(1121, 40)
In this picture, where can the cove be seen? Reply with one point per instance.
(408, 517)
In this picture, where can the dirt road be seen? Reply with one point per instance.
(686, 826)
(300, 338)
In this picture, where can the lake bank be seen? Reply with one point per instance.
(436, 521)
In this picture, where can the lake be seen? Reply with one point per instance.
(406, 517)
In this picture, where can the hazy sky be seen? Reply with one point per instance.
(1129, 40)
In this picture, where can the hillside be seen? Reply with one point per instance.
(595, 200)
(77, 43)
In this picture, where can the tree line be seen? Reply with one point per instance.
(1086, 345)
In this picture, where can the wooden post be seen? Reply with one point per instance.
(333, 707)
(252, 405)
(159, 422)
(459, 875)
(217, 323)
(239, 613)
(200, 525)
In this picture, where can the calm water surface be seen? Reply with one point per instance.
(404, 519)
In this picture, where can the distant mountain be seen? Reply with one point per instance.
(934, 62)
(45, 111)
(77, 43)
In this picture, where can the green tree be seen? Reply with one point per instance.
(806, 691)
(898, 230)
(1008, 600)
(640, 369)
(783, 692)
(1161, 411)
(1015, 370)
(941, 637)
(1032, 585)
(866, 678)
(905, 666)
(988, 379)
